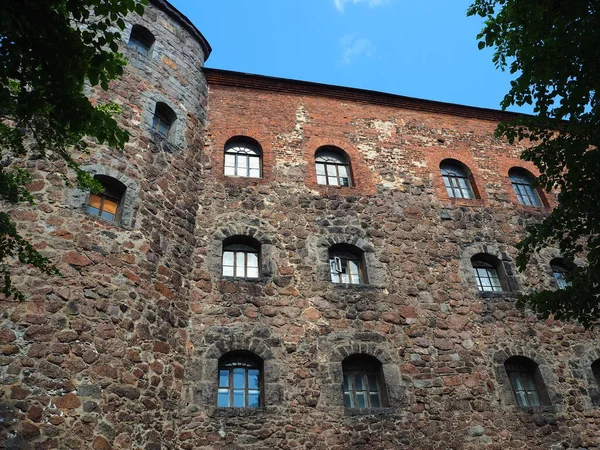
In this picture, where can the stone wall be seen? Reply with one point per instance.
(122, 350)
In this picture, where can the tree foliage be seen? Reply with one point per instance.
(49, 50)
(551, 47)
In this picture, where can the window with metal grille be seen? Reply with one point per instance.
(489, 273)
(457, 179)
(346, 264)
(524, 185)
(240, 381)
(363, 382)
(241, 258)
(333, 167)
(141, 39)
(242, 159)
(106, 204)
(559, 272)
(526, 381)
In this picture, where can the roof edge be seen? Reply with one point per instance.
(286, 85)
(186, 23)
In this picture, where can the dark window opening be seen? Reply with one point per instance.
(526, 381)
(106, 204)
(489, 273)
(141, 39)
(164, 118)
(524, 185)
(364, 385)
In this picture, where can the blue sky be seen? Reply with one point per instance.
(417, 48)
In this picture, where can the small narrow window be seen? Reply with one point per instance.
(560, 272)
(346, 264)
(457, 179)
(526, 381)
(596, 374)
(489, 274)
(523, 183)
(141, 39)
(106, 204)
(363, 382)
(240, 381)
(241, 258)
(164, 118)
(333, 167)
(243, 158)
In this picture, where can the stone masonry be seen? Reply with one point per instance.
(122, 350)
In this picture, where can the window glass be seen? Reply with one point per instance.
(141, 39)
(559, 272)
(240, 260)
(486, 274)
(243, 159)
(456, 179)
(240, 381)
(521, 375)
(106, 204)
(362, 383)
(523, 184)
(332, 167)
(345, 267)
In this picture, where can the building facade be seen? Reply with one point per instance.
(277, 264)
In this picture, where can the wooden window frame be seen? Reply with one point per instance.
(246, 363)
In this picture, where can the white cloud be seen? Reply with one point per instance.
(339, 4)
(355, 47)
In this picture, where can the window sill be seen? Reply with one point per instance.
(99, 220)
(238, 412)
(469, 202)
(544, 409)
(499, 295)
(246, 280)
(369, 411)
(360, 287)
(164, 143)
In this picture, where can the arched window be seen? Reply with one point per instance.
(526, 381)
(241, 257)
(164, 118)
(243, 158)
(364, 385)
(240, 381)
(106, 204)
(141, 39)
(457, 179)
(523, 183)
(333, 167)
(559, 272)
(489, 273)
(346, 264)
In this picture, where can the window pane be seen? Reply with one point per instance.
(227, 271)
(332, 181)
(344, 181)
(320, 169)
(253, 378)
(239, 400)
(346, 382)
(229, 160)
(375, 403)
(93, 211)
(372, 382)
(252, 272)
(110, 206)
(358, 383)
(239, 378)
(533, 398)
(240, 264)
(254, 162)
(252, 259)
(253, 399)
(230, 171)
(242, 161)
(331, 170)
(352, 267)
(94, 201)
(321, 179)
(345, 278)
(223, 378)
(254, 173)
(223, 398)
(107, 216)
(228, 258)
(361, 399)
(348, 400)
(343, 171)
